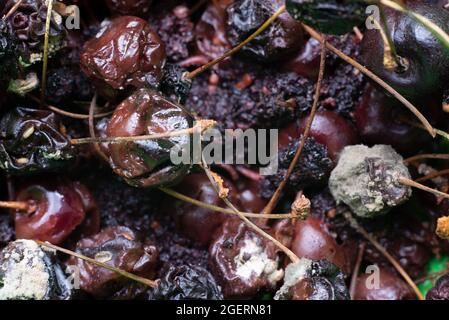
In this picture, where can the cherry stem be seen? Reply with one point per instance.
(375, 78)
(229, 53)
(147, 282)
(46, 49)
(12, 10)
(441, 156)
(78, 116)
(414, 184)
(26, 206)
(277, 194)
(293, 257)
(92, 129)
(386, 33)
(432, 175)
(391, 60)
(355, 272)
(439, 33)
(201, 126)
(212, 207)
(357, 227)
(432, 276)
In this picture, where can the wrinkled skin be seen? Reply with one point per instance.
(61, 208)
(129, 7)
(119, 247)
(441, 289)
(126, 52)
(147, 163)
(210, 31)
(224, 250)
(391, 287)
(427, 59)
(283, 37)
(24, 150)
(187, 283)
(378, 120)
(199, 224)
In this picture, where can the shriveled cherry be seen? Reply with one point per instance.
(243, 262)
(282, 38)
(198, 223)
(61, 207)
(147, 163)
(391, 287)
(117, 246)
(441, 289)
(126, 52)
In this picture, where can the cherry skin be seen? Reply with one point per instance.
(61, 207)
(426, 61)
(199, 224)
(307, 62)
(391, 287)
(378, 120)
(328, 128)
(129, 7)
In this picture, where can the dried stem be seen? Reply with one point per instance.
(201, 125)
(261, 29)
(147, 282)
(355, 272)
(442, 156)
(248, 222)
(414, 184)
(432, 175)
(12, 10)
(355, 225)
(26, 206)
(375, 78)
(277, 194)
(45, 59)
(212, 207)
(92, 107)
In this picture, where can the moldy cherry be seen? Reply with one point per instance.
(33, 141)
(125, 52)
(61, 208)
(281, 38)
(425, 62)
(117, 246)
(391, 287)
(147, 163)
(243, 262)
(441, 289)
(199, 224)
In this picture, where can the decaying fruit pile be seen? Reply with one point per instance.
(86, 107)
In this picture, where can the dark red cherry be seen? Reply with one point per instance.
(61, 207)
(119, 247)
(331, 130)
(126, 52)
(282, 38)
(138, 8)
(242, 261)
(311, 241)
(249, 192)
(147, 163)
(199, 224)
(210, 30)
(391, 287)
(307, 62)
(380, 120)
(425, 69)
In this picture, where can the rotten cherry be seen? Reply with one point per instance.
(61, 207)
(119, 247)
(147, 163)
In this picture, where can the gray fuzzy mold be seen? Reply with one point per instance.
(366, 179)
(293, 274)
